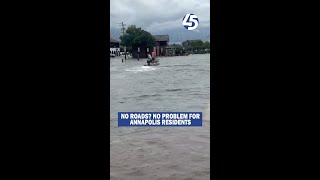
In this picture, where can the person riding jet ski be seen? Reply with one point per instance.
(151, 58)
(153, 55)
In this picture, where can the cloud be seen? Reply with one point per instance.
(159, 16)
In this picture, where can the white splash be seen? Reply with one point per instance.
(141, 69)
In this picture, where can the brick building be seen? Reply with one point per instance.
(161, 44)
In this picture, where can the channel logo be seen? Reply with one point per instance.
(190, 22)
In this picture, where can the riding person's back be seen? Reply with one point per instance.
(153, 55)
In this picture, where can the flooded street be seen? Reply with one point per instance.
(178, 84)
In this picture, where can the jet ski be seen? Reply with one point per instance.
(153, 63)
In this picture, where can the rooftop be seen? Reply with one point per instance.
(161, 37)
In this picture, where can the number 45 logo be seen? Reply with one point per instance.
(190, 22)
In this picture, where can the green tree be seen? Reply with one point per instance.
(136, 37)
(206, 45)
(198, 45)
(178, 48)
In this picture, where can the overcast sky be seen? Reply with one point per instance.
(161, 17)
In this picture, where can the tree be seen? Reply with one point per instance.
(206, 45)
(178, 49)
(136, 37)
(197, 44)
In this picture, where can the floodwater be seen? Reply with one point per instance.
(178, 84)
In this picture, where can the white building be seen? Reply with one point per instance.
(114, 47)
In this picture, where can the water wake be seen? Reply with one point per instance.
(141, 69)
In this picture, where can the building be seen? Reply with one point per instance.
(114, 47)
(170, 51)
(162, 42)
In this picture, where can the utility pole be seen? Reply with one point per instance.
(122, 27)
(122, 30)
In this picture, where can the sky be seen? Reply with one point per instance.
(161, 17)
